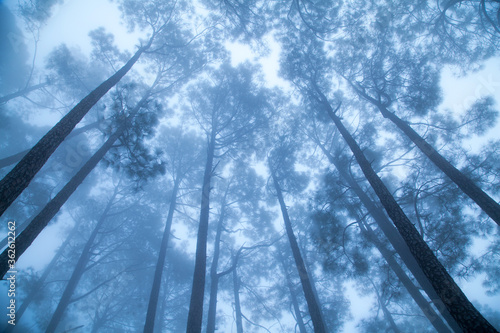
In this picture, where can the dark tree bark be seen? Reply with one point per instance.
(426, 308)
(464, 312)
(314, 309)
(14, 183)
(195, 315)
(398, 244)
(155, 289)
(237, 304)
(293, 295)
(24, 240)
(78, 271)
(9, 160)
(482, 199)
(22, 92)
(214, 276)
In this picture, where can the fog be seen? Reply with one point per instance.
(249, 166)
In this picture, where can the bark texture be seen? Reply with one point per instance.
(464, 312)
(483, 200)
(24, 240)
(398, 244)
(14, 183)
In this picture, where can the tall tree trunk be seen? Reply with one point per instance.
(155, 289)
(24, 240)
(293, 295)
(22, 92)
(464, 312)
(314, 309)
(195, 314)
(214, 276)
(398, 244)
(21, 175)
(482, 199)
(237, 304)
(426, 308)
(78, 271)
(9, 160)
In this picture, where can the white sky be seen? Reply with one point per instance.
(73, 20)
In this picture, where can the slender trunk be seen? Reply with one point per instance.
(414, 292)
(22, 92)
(9, 160)
(237, 305)
(78, 271)
(24, 240)
(399, 245)
(293, 295)
(483, 200)
(387, 314)
(195, 315)
(464, 312)
(41, 281)
(214, 276)
(314, 309)
(315, 291)
(14, 183)
(155, 289)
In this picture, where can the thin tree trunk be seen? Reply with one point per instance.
(214, 276)
(14, 183)
(78, 271)
(399, 245)
(481, 198)
(40, 282)
(195, 314)
(293, 295)
(24, 240)
(385, 311)
(237, 304)
(314, 309)
(464, 312)
(160, 264)
(426, 308)
(22, 92)
(9, 160)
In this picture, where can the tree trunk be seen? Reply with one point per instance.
(398, 244)
(78, 271)
(293, 295)
(214, 276)
(24, 240)
(155, 289)
(426, 308)
(464, 312)
(40, 282)
(483, 200)
(314, 309)
(387, 314)
(195, 315)
(14, 183)
(22, 92)
(9, 160)
(237, 305)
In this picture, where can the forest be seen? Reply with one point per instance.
(250, 166)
